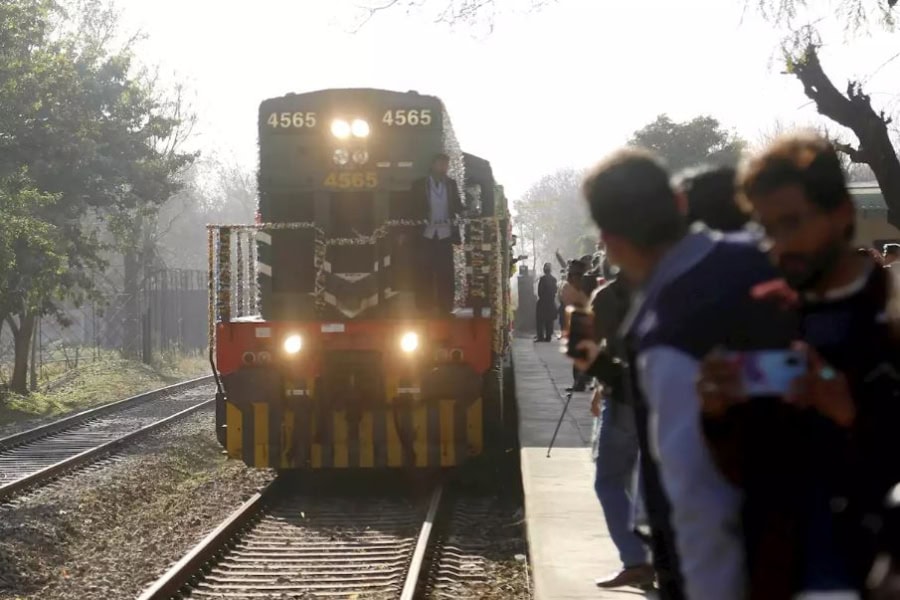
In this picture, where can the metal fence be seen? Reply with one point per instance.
(167, 314)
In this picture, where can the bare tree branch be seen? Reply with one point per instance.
(370, 13)
(854, 14)
(453, 12)
(853, 110)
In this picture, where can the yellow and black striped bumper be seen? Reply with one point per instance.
(300, 435)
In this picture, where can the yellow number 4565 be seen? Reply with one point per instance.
(347, 180)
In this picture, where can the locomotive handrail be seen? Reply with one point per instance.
(220, 261)
(313, 225)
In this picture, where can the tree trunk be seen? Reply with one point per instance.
(35, 344)
(22, 333)
(854, 111)
(131, 346)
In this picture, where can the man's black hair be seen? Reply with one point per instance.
(711, 197)
(805, 159)
(440, 156)
(630, 196)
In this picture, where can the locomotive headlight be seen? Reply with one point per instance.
(409, 343)
(341, 157)
(359, 128)
(340, 129)
(293, 344)
(360, 157)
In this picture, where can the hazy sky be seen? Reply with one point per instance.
(550, 89)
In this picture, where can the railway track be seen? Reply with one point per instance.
(34, 457)
(288, 544)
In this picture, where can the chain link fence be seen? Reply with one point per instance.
(166, 314)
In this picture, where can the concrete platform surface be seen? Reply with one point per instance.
(569, 545)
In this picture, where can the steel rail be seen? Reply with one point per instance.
(60, 425)
(181, 573)
(53, 471)
(424, 541)
(190, 570)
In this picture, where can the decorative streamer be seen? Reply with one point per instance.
(211, 286)
(224, 275)
(475, 262)
(239, 242)
(254, 276)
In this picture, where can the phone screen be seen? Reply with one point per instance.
(770, 372)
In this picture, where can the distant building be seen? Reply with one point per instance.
(872, 228)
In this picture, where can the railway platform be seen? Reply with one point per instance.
(569, 544)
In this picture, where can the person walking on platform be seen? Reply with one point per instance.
(617, 442)
(546, 305)
(695, 294)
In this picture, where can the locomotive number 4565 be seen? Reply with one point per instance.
(347, 180)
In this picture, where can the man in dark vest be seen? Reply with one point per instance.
(440, 204)
(546, 305)
(695, 294)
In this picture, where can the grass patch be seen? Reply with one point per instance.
(112, 378)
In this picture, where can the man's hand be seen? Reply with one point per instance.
(719, 384)
(591, 350)
(824, 389)
(876, 256)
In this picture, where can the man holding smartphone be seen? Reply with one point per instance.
(816, 463)
(694, 294)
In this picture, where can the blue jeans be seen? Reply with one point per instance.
(617, 455)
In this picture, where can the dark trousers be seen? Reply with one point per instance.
(545, 322)
(437, 275)
(579, 379)
(662, 536)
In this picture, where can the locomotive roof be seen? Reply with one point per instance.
(357, 92)
(477, 168)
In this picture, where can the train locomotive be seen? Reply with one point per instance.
(323, 355)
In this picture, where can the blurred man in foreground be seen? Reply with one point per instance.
(694, 295)
(816, 463)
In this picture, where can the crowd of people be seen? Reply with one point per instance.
(745, 357)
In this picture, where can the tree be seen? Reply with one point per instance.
(32, 264)
(86, 131)
(687, 144)
(216, 191)
(552, 215)
(851, 108)
(854, 13)
(451, 12)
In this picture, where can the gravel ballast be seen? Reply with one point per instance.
(110, 532)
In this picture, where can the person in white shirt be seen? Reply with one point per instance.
(440, 201)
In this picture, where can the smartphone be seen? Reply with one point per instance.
(770, 372)
(581, 325)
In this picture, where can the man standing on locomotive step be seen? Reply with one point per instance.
(440, 202)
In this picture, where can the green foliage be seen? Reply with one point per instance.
(85, 137)
(32, 257)
(107, 380)
(687, 144)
